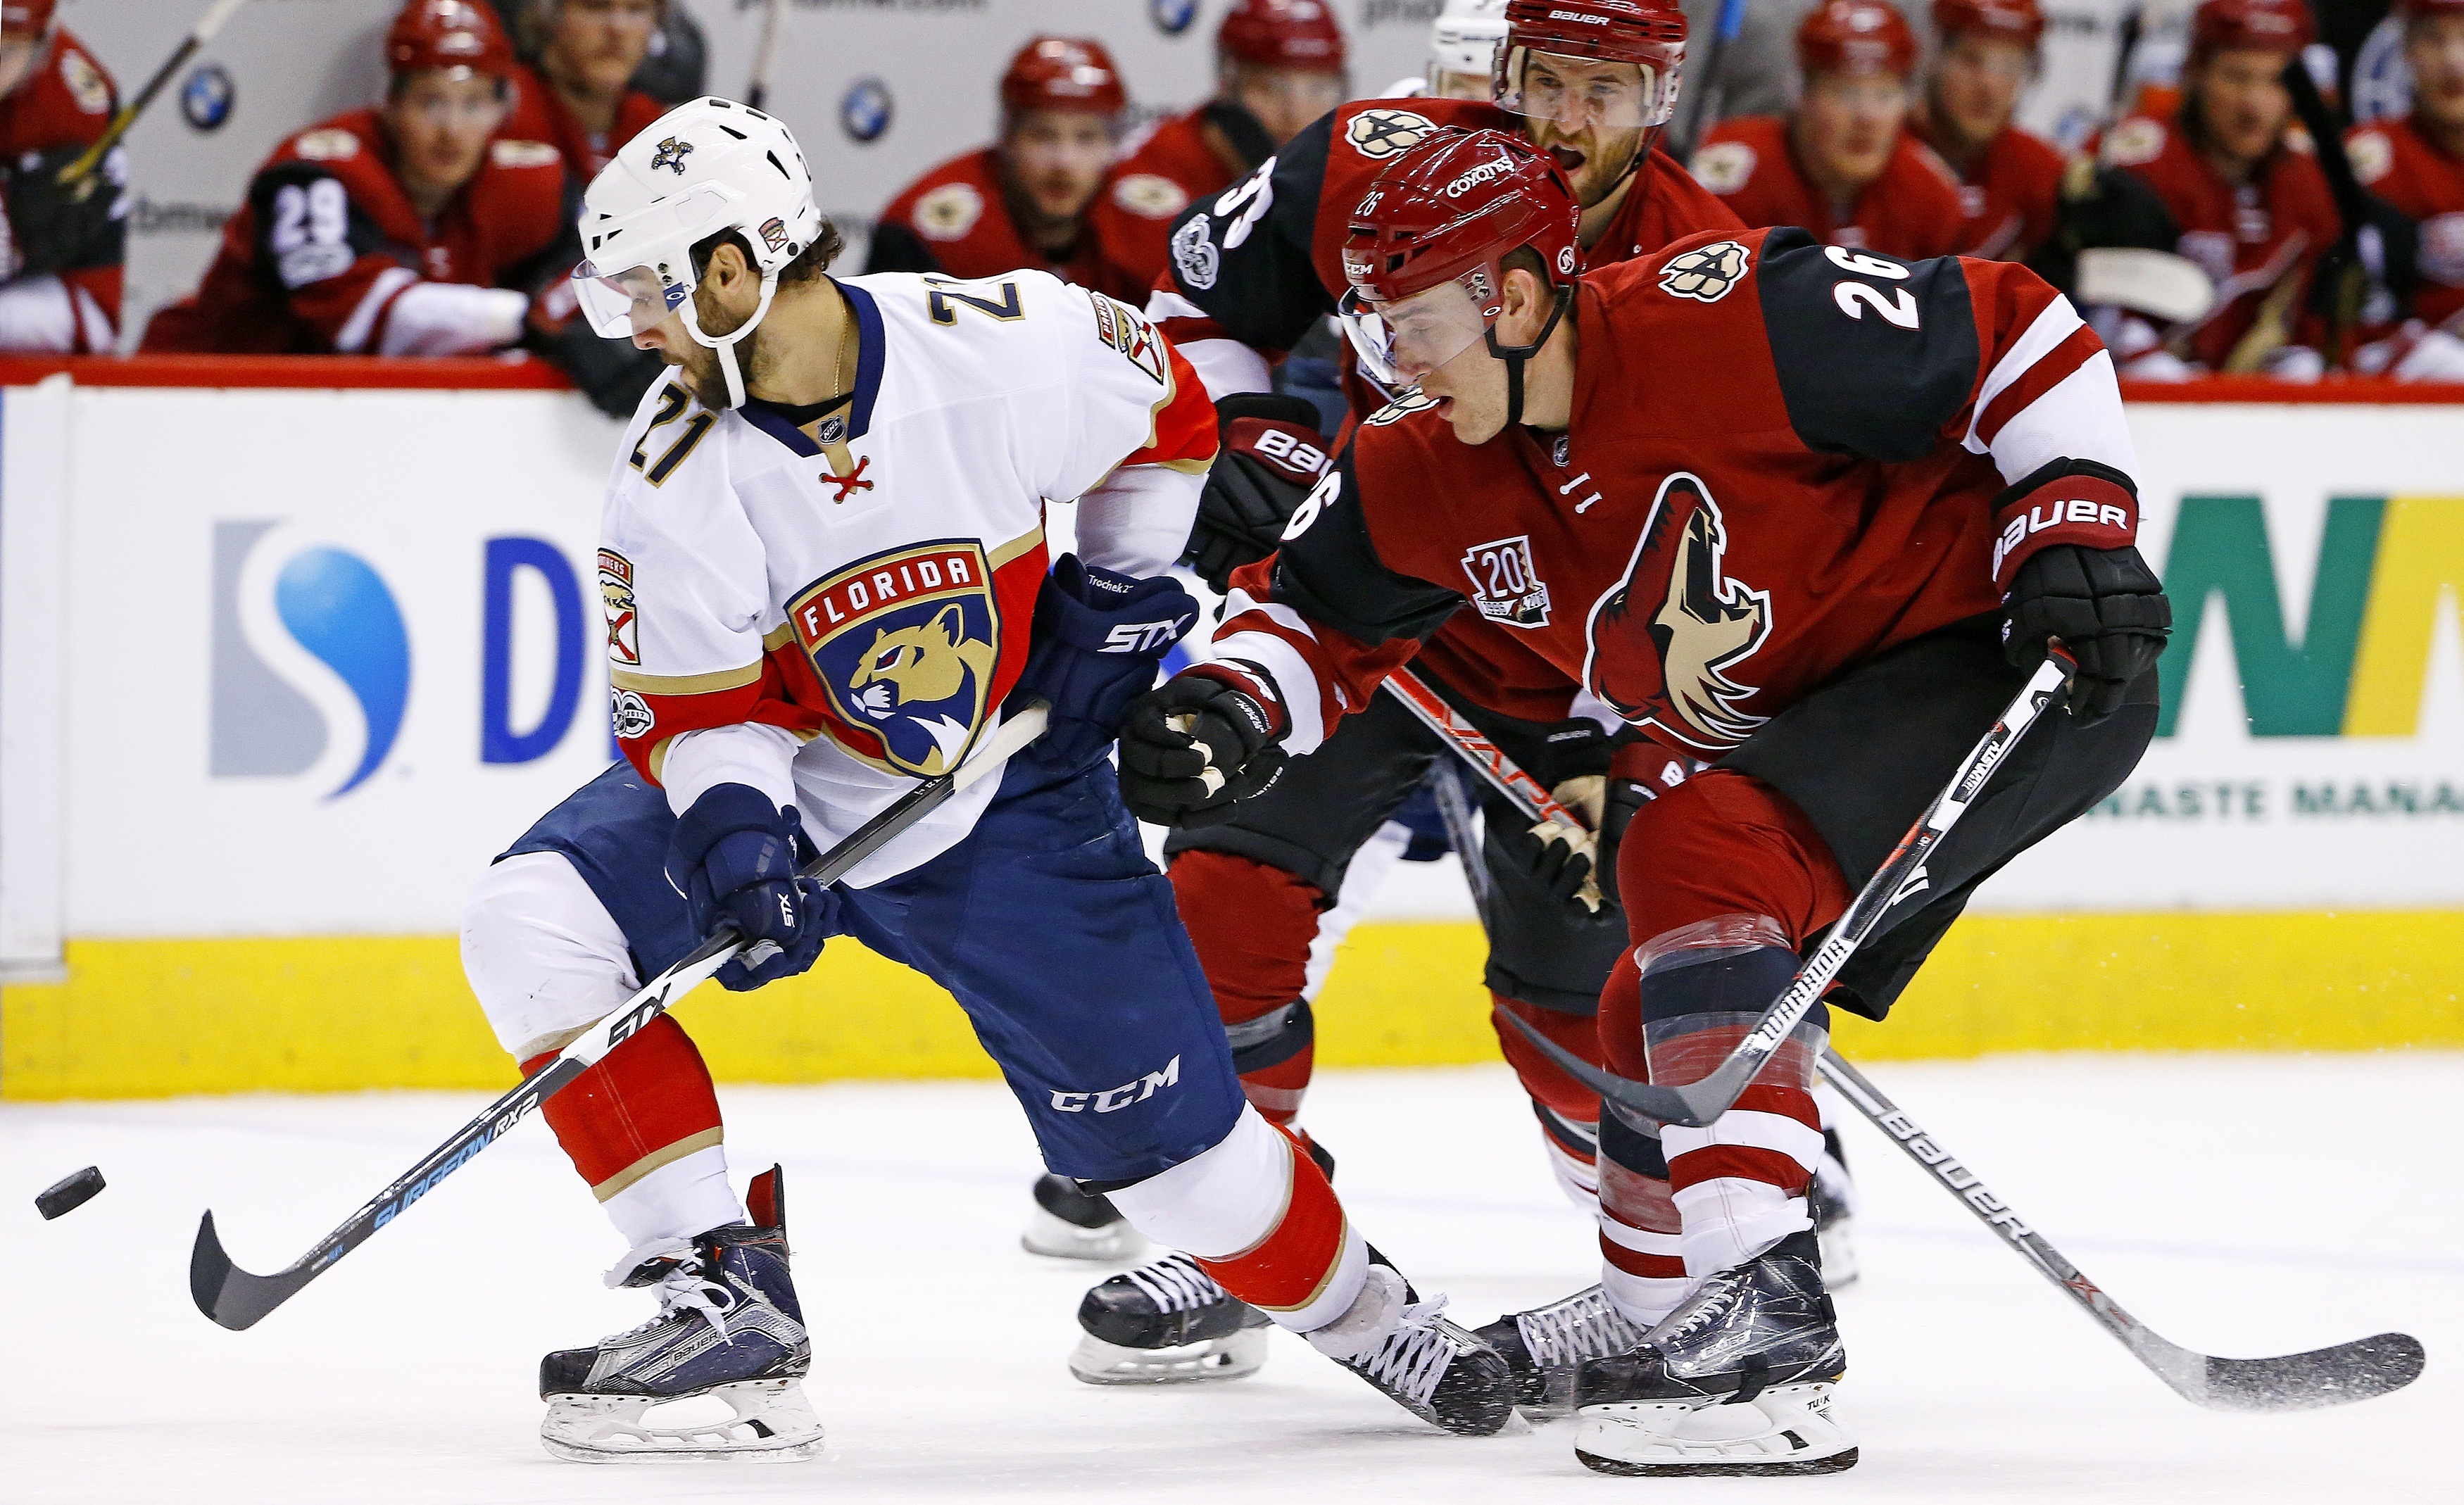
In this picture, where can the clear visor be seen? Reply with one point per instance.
(1576, 92)
(1402, 341)
(623, 304)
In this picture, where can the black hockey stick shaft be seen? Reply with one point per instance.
(765, 54)
(238, 1299)
(1696, 1105)
(2338, 1376)
(198, 36)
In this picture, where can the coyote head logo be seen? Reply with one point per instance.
(1665, 643)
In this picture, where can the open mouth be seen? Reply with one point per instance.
(1569, 160)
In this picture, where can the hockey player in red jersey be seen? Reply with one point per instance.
(61, 248)
(578, 95)
(2247, 201)
(1844, 165)
(2416, 164)
(2010, 182)
(1279, 64)
(1045, 196)
(1835, 507)
(412, 230)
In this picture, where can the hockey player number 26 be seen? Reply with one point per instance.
(1855, 298)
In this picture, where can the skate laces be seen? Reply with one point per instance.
(1581, 1326)
(1177, 1284)
(1414, 1356)
(1710, 1304)
(683, 1286)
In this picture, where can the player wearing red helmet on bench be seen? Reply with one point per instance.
(1843, 165)
(61, 252)
(2416, 164)
(2010, 182)
(1043, 197)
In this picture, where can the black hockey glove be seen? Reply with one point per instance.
(54, 228)
(1639, 774)
(610, 373)
(1556, 860)
(1194, 748)
(732, 857)
(2106, 607)
(1098, 637)
(1271, 455)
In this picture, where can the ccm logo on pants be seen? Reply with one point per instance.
(1120, 1097)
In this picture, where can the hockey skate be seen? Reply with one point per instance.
(1440, 1372)
(729, 1330)
(1070, 1224)
(1736, 1381)
(1544, 1347)
(1167, 1323)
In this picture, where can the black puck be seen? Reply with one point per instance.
(69, 1192)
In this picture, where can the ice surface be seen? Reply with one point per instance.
(2185, 1185)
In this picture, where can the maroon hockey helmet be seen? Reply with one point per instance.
(1425, 249)
(1856, 36)
(2261, 26)
(1282, 33)
(454, 34)
(26, 17)
(1063, 72)
(1648, 33)
(2423, 10)
(2017, 21)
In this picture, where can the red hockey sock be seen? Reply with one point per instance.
(1299, 1272)
(1252, 924)
(649, 1103)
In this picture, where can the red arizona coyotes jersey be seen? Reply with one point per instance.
(2009, 196)
(1265, 284)
(46, 122)
(955, 220)
(1176, 166)
(541, 115)
(1912, 209)
(2247, 237)
(328, 245)
(1783, 461)
(2400, 164)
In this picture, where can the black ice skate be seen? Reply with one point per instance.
(1440, 1372)
(1546, 1346)
(1736, 1381)
(729, 1327)
(1167, 1323)
(1071, 1224)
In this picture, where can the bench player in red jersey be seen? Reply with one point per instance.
(1279, 65)
(2010, 182)
(577, 95)
(1043, 197)
(61, 254)
(2246, 199)
(1833, 505)
(2416, 164)
(411, 230)
(1843, 165)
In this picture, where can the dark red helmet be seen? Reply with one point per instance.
(448, 33)
(1856, 36)
(2417, 10)
(1454, 205)
(1063, 72)
(2008, 20)
(1649, 33)
(1282, 33)
(26, 17)
(2263, 26)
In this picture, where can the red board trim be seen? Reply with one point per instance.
(481, 372)
(2343, 391)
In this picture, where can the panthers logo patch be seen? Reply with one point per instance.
(905, 644)
(1381, 134)
(948, 213)
(670, 154)
(1706, 272)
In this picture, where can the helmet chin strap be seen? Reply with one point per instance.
(725, 345)
(1514, 356)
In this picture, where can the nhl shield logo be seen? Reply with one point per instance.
(671, 154)
(904, 644)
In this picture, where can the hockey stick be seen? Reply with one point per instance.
(199, 36)
(2338, 1376)
(1706, 99)
(1490, 762)
(238, 1299)
(1696, 1105)
(765, 56)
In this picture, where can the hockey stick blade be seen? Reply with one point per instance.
(237, 1298)
(2337, 1376)
(1696, 1103)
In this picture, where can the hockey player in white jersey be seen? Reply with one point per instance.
(823, 564)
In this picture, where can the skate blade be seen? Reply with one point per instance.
(771, 1422)
(1794, 1433)
(1058, 1239)
(1213, 1360)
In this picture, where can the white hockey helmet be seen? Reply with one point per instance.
(1463, 39)
(701, 169)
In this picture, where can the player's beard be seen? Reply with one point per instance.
(697, 364)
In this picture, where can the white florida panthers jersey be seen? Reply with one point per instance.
(831, 611)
